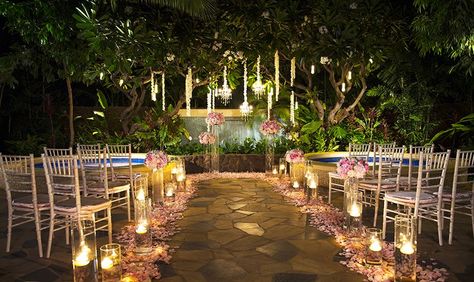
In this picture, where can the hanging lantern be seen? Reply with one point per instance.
(269, 103)
(258, 87)
(277, 75)
(152, 86)
(163, 105)
(245, 108)
(225, 93)
(189, 90)
(292, 98)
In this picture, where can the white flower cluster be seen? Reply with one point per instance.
(325, 61)
(323, 29)
(170, 57)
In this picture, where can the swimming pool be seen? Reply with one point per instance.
(334, 160)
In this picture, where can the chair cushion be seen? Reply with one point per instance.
(114, 187)
(410, 197)
(88, 204)
(372, 184)
(460, 195)
(42, 200)
(404, 180)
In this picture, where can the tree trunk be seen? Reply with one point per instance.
(71, 111)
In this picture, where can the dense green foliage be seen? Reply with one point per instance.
(411, 66)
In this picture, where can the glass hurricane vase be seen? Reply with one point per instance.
(157, 185)
(215, 150)
(269, 154)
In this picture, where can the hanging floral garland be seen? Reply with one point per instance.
(153, 86)
(225, 92)
(209, 105)
(277, 75)
(292, 98)
(189, 90)
(163, 105)
(269, 103)
(245, 108)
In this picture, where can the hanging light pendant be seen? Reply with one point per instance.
(189, 90)
(225, 93)
(245, 108)
(258, 87)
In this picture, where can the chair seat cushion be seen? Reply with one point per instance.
(410, 197)
(114, 187)
(88, 204)
(42, 200)
(404, 180)
(372, 184)
(460, 195)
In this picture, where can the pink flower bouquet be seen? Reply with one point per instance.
(270, 127)
(294, 156)
(352, 167)
(214, 118)
(207, 138)
(156, 159)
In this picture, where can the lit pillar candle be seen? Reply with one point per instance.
(407, 248)
(141, 195)
(82, 259)
(313, 184)
(355, 210)
(142, 228)
(111, 263)
(296, 184)
(374, 250)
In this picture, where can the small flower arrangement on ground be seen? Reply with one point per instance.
(294, 156)
(214, 118)
(270, 127)
(207, 138)
(156, 159)
(352, 167)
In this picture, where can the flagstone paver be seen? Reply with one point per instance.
(250, 233)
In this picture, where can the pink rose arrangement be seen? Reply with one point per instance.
(156, 159)
(214, 118)
(270, 127)
(207, 138)
(352, 167)
(294, 156)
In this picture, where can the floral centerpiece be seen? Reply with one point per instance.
(270, 127)
(156, 159)
(214, 118)
(294, 156)
(352, 167)
(207, 138)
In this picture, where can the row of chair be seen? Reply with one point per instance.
(421, 191)
(82, 185)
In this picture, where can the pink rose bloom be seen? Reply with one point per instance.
(214, 118)
(207, 138)
(352, 167)
(270, 127)
(156, 159)
(294, 156)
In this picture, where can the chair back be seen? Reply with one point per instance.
(360, 151)
(57, 152)
(376, 147)
(93, 166)
(431, 175)
(463, 171)
(413, 154)
(115, 152)
(389, 163)
(18, 174)
(62, 177)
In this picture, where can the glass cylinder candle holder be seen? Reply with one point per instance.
(297, 175)
(143, 240)
(181, 179)
(111, 262)
(312, 186)
(157, 186)
(275, 170)
(269, 154)
(170, 192)
(374, 246)
(282, 167)
(405, 248)
(354, 210)
(84, 253)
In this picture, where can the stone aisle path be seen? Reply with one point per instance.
(240, 230)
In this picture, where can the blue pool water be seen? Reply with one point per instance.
(117, 162)
(371, 160)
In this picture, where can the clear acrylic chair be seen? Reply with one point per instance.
(24, 204)
(336, 183)
(422, 203)
(62, 179)
(389, 166)
(105, 185)
(460, 198)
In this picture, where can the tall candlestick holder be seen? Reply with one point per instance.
(405, 248)
(143, 239)
(84, 253)
(111, 262)
(374, 246)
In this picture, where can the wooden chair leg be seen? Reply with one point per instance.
(50, 236)
(128, 205)
(9, 229)
(384, 219)
(419, 225)
(109, 224)
(68, 220)
(38, 233)
(451, 227)
(440, 226)
(377, 195)
(472, 213)
(330, 186)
